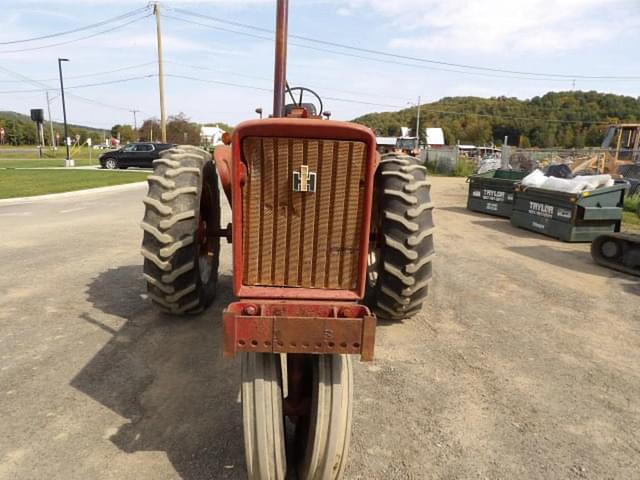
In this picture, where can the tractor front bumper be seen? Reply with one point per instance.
(299, 327)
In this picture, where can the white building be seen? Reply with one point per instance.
(435, 137)
(211, 135)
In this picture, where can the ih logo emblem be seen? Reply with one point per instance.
(304, 180)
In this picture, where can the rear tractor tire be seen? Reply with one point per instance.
(400, 259)
(181, 220)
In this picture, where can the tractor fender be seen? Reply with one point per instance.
(222, 158)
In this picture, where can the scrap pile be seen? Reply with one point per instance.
(576, 184)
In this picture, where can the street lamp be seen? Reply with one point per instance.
(68, 161)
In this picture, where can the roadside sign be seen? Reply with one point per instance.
(89, 141)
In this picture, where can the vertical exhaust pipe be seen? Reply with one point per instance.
(280, 74)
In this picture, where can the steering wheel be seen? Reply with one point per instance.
(302, 90)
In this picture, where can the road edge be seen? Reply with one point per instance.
(73, 193)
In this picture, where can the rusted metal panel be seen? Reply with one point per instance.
(282, 211)
(342, 159)
(299, 327)
(355, 196)
(278, 250)
(323, 206)
(315, 134)
(296, 215)
(252, 207)
(317, 335)
(307, 248)
(269, 202)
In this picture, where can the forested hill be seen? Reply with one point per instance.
(557, 119)
(22, 130)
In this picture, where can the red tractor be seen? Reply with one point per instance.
(326, 236)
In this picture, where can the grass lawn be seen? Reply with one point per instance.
(19, 157)
(630, 222)
(25, 183)
(41, 163)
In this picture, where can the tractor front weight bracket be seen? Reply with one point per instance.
(299, 327)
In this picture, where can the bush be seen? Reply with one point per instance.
(632, 203)
(464, 168)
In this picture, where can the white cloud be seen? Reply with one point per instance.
(501, 26)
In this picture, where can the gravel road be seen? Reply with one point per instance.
(524, 364)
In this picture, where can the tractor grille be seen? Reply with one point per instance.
(302, 239)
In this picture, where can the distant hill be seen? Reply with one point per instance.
(20, 129)
(556, 119)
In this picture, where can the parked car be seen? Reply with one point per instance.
(134, 155)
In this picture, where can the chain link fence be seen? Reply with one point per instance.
(585, 160)
(449, 160)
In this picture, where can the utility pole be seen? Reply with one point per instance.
(135, 123)
(163, 114)
(68, 162)
(280, 71)
(53, 143)
(418, 124)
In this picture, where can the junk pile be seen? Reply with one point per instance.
(489, 164)
(577, 184)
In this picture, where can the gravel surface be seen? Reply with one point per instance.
(524, 364)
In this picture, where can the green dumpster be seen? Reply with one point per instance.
(572, 217)
(492, 192)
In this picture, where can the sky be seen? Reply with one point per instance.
(219, 54)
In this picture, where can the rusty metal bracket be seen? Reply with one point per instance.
(292, 327)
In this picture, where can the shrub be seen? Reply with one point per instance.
(632, 203)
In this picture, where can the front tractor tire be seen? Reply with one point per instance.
(180, 245)
(400, 258)
(321, 391)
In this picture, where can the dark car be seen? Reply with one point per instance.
(134, 155)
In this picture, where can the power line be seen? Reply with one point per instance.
(219, 82)
(427, 108)
(362, 57)
(97, 84)
(95, 74)
(411, 58)
(117, 27)
(74, 95)
(270, 79)
(79, 29)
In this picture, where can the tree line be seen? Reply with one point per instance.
(21, 130)
(180, 130)
(557, 119)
